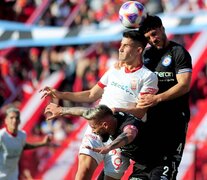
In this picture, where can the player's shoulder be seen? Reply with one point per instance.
(2, 131)
(147, 72)
(178, 48)
(22, 133)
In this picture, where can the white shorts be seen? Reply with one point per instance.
(114, 163)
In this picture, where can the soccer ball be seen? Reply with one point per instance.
(132, 14)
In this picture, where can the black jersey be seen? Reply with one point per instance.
(166, 63)
(166, 122)
(124, 119)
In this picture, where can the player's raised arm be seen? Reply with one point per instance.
(87, 96)
(53, 110)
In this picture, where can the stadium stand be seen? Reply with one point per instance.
(76, 67)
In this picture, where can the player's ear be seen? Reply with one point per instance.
(105, 124)
(139, 49)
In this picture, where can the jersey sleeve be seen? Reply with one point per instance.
(24, 136)
(150, 84)
(104, 79)
(183, 62)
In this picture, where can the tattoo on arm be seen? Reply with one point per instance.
(120, 141)
(75, 111)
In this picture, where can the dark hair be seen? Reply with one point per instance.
(98, 112)
(136, 36)
(151, 22)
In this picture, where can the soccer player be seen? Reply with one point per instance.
(12, 143)
(119, 90)
(121, 128)
(164, 135)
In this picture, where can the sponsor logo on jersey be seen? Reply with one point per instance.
(134, 84)
(167, 61)
(122, 87)
(164, 74)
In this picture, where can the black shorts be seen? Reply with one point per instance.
(167, 170)
(159, 158)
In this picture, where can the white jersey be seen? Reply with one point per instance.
(11, 148)
(122, 88)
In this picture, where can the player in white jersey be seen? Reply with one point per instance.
(119, 89)
(12, 143)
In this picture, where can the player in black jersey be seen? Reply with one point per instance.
(162, 138)
(121, 128)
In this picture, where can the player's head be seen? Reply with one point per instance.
(151, 22)
(152, 28)
(132, 46)
(100, 119)
(136, 37)
(12, 119)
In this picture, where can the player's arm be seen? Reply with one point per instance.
(126, 137)
(45, 142)
(181, 88)
(137, 111)
(83, 96)
(53, 110)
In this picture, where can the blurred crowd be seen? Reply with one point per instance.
(23, 69)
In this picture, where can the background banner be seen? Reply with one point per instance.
(14, 34)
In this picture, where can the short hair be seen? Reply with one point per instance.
(151, 22)
(136, 36)
(97, 113)
(12, 109)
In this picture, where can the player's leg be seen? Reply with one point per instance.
(140, 172)
(168, 171)
(86, 167)
(88, 159)
(168, 168)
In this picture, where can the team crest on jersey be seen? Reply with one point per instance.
(134, 83)
(167, 61)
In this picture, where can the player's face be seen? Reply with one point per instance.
(128, 51)
(99, 129)
(156, 37)
(12, 122)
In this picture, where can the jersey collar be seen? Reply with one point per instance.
(12, 134)
(133, 70)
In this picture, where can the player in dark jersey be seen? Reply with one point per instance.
(121, 128)
(163, 137)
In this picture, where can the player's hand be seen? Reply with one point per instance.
(48, 91)
(101, 150)
(52, 111)
(119, 64)
(148, 100)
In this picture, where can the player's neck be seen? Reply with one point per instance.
(133, 67)
(12, 132)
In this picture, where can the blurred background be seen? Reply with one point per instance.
(68, 45)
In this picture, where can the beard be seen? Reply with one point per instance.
(105, 137)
